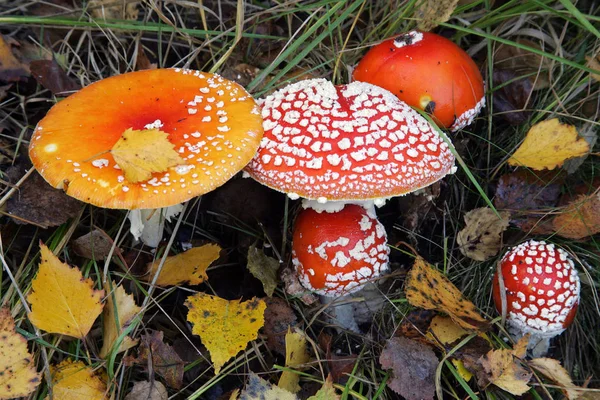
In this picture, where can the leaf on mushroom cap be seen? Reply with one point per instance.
(212, 123)
(347, 142)
(542, 288)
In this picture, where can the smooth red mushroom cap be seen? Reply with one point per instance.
(212, 123)
(347, 142)
(542, 288)
(335, 253)
(428, 72)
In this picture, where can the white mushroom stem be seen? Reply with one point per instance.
(341, 312)
(148, 224)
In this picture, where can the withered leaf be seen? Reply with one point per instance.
(51, 76)
(259, 389)
(95, 245)
(552, 369)
(263, 268)
(510, 100)
(580, 219)
(481, 238)
(11, 69)
(416, 323)
(504, 369)
(413, 368)
(433, 12)
(146, 390)
(279, 317)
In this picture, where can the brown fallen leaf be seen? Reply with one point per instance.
(294, 288)
(187, 267)
(51, 76)
(593, 62)
(39, 203)
(581, 217)
(416, 324)
(263, 268)
(148, 391)
(259, 389)
(552, 369)
(504, 369)
(95, 245)
(427, 288)
(11, 69)
(156, 356)
(109, 9)
(142, 62)
(524, 62)
(471, 353)
(481, 238)
(279, 317)
(413, 368)
(430, 13)
(118, 314)
(512, 98)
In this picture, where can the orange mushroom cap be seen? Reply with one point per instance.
(336, 253)
(213, 124)
(347, 142)
(428, 72)
(542, 288)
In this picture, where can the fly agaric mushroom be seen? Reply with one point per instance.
(336, 253)
(212, 125)
(346, 143)
(541, 287)
(428, 72)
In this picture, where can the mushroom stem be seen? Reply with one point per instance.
(148, 224)
(342, 312)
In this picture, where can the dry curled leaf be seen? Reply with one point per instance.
(51, 76)
(504, 369)
(11, 69)
(481, 238)
(188, 267)
(552, 369)
(413, 368)
(160, 357)
(580, 219)
(427, 288)
(75, 380)
(431, 13)
(141, 153)
(62, 300)
(259, 389)
(548, 145)
(148, 391)
(296, 355)
(225, 327)
(119, 312)
(18, 375)
(327, 391)
(263, 268)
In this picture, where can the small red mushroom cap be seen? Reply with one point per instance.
(428, 72)
(335, 253)
(347, 142)
(542, 288)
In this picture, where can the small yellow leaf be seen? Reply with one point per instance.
(445, 330)
(295, 356)
(481, 238)
(189, 266)
(504, 368)
(18, 376)
(259, 389)
(548, 145)
(225, 327)
(118, 313)
(552, 369)
(427, 288)
(141, 153)
(62, 301)
(462, 370)
(75, 380)
(327, 392)
(433, 12)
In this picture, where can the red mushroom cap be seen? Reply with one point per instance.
(335, 253)
(347, 142)
(542, 288)
(428, 72)
(212, 123)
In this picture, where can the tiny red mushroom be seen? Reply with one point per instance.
(336, 253)
(541, 286)
(428, 72)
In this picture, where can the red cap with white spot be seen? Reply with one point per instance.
(335, 253)
(347, 142)
(542, 288)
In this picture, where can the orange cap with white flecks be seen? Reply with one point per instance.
(213, 124)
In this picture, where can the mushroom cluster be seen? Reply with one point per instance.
(428, 72)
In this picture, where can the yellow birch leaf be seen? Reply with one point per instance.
(427, 288)
(189, 266)
(225, 327)
(445, 330)
(141, 153)
(552, 369)
(62, 300)
(118, 313)
(75, 380)
(18, 376)
(432, 12)
(259, 389)
(504, 368)
(548, 145)
(461, 369)
(295, 356)
(327, 391)
(481, 238)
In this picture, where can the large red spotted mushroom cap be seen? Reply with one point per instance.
(542, 288)
(428, 72)
(347, 142)
(335, 253)
(212, 123)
